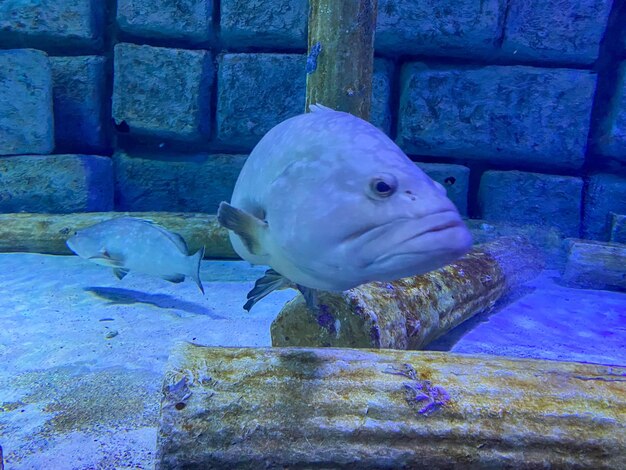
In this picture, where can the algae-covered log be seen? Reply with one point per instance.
(343, 408)
(341, 55)
(411, 312)
(47, 233)
(595, 265)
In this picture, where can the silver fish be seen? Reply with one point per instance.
(330, 202)
(130, 244)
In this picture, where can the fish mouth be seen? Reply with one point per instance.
(441, 222)
(443, 232)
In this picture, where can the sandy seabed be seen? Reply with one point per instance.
(82, 354)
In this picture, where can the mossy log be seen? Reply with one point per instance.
(595, 265)
(344, 408)
(411, 312)
(47, 233)
(341, 55)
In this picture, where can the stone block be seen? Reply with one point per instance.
(26, 117)
(458, 28)
(187, 20)
(455, 178)
(192, 183)
(381, 94)
(162, 92)
(512, 114)
(611, 139)
(604, 194)
(618, 228)
(79, 94)
(280, 24)
(564, 31)
(56, 183)
(255, 92)
(52, 24)
(532, 198)
(595, 265)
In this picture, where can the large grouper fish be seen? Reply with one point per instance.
(329, 202)
(132, 244)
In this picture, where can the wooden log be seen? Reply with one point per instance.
(343, 408)
(341, 55)
(618, 228)
(411, 312)
(595, 265)
(47, 233)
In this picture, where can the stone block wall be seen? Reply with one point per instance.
(518, 107)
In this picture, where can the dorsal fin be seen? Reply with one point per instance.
(319, 108)
(176, 238)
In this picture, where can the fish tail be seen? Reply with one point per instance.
(196, 259)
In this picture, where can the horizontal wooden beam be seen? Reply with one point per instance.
(346, 408)
(47, 233)
(411, 312)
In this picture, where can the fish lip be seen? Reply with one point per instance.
(443, 225)
(453, 223)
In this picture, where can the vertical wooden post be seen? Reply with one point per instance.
(341, 55)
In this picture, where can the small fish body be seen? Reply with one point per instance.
(330, 202)
(131, 244)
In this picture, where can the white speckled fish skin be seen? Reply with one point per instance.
(309, 178)
(144, 247)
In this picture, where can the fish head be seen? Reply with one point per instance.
(357, 209)
(92, 244)
(401, 224)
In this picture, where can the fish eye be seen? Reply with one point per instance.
(383, 185)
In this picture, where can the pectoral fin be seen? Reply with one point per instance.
(106, 259)
(120, 273)
(270, 282)
(310, 297)
(248, 227)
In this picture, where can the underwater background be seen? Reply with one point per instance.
(517, 107)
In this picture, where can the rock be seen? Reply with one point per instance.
(186, 20)
(185, 183)
(547, 240)
(56, 183)
(618, 228)
(611, 139)
(281, 24)
(256, 92)
(457, 28)
(381, 94)
(496, 113)
(532, 198)
(605, 193)
(561, 32)
(455, 178)
(162, 92)
(79, 107)
(411, 312)
(26, 118)
(54, 25)
(251, 408)
(595, 265)
(47, 233)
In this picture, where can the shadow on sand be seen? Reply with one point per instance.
(118, 296)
